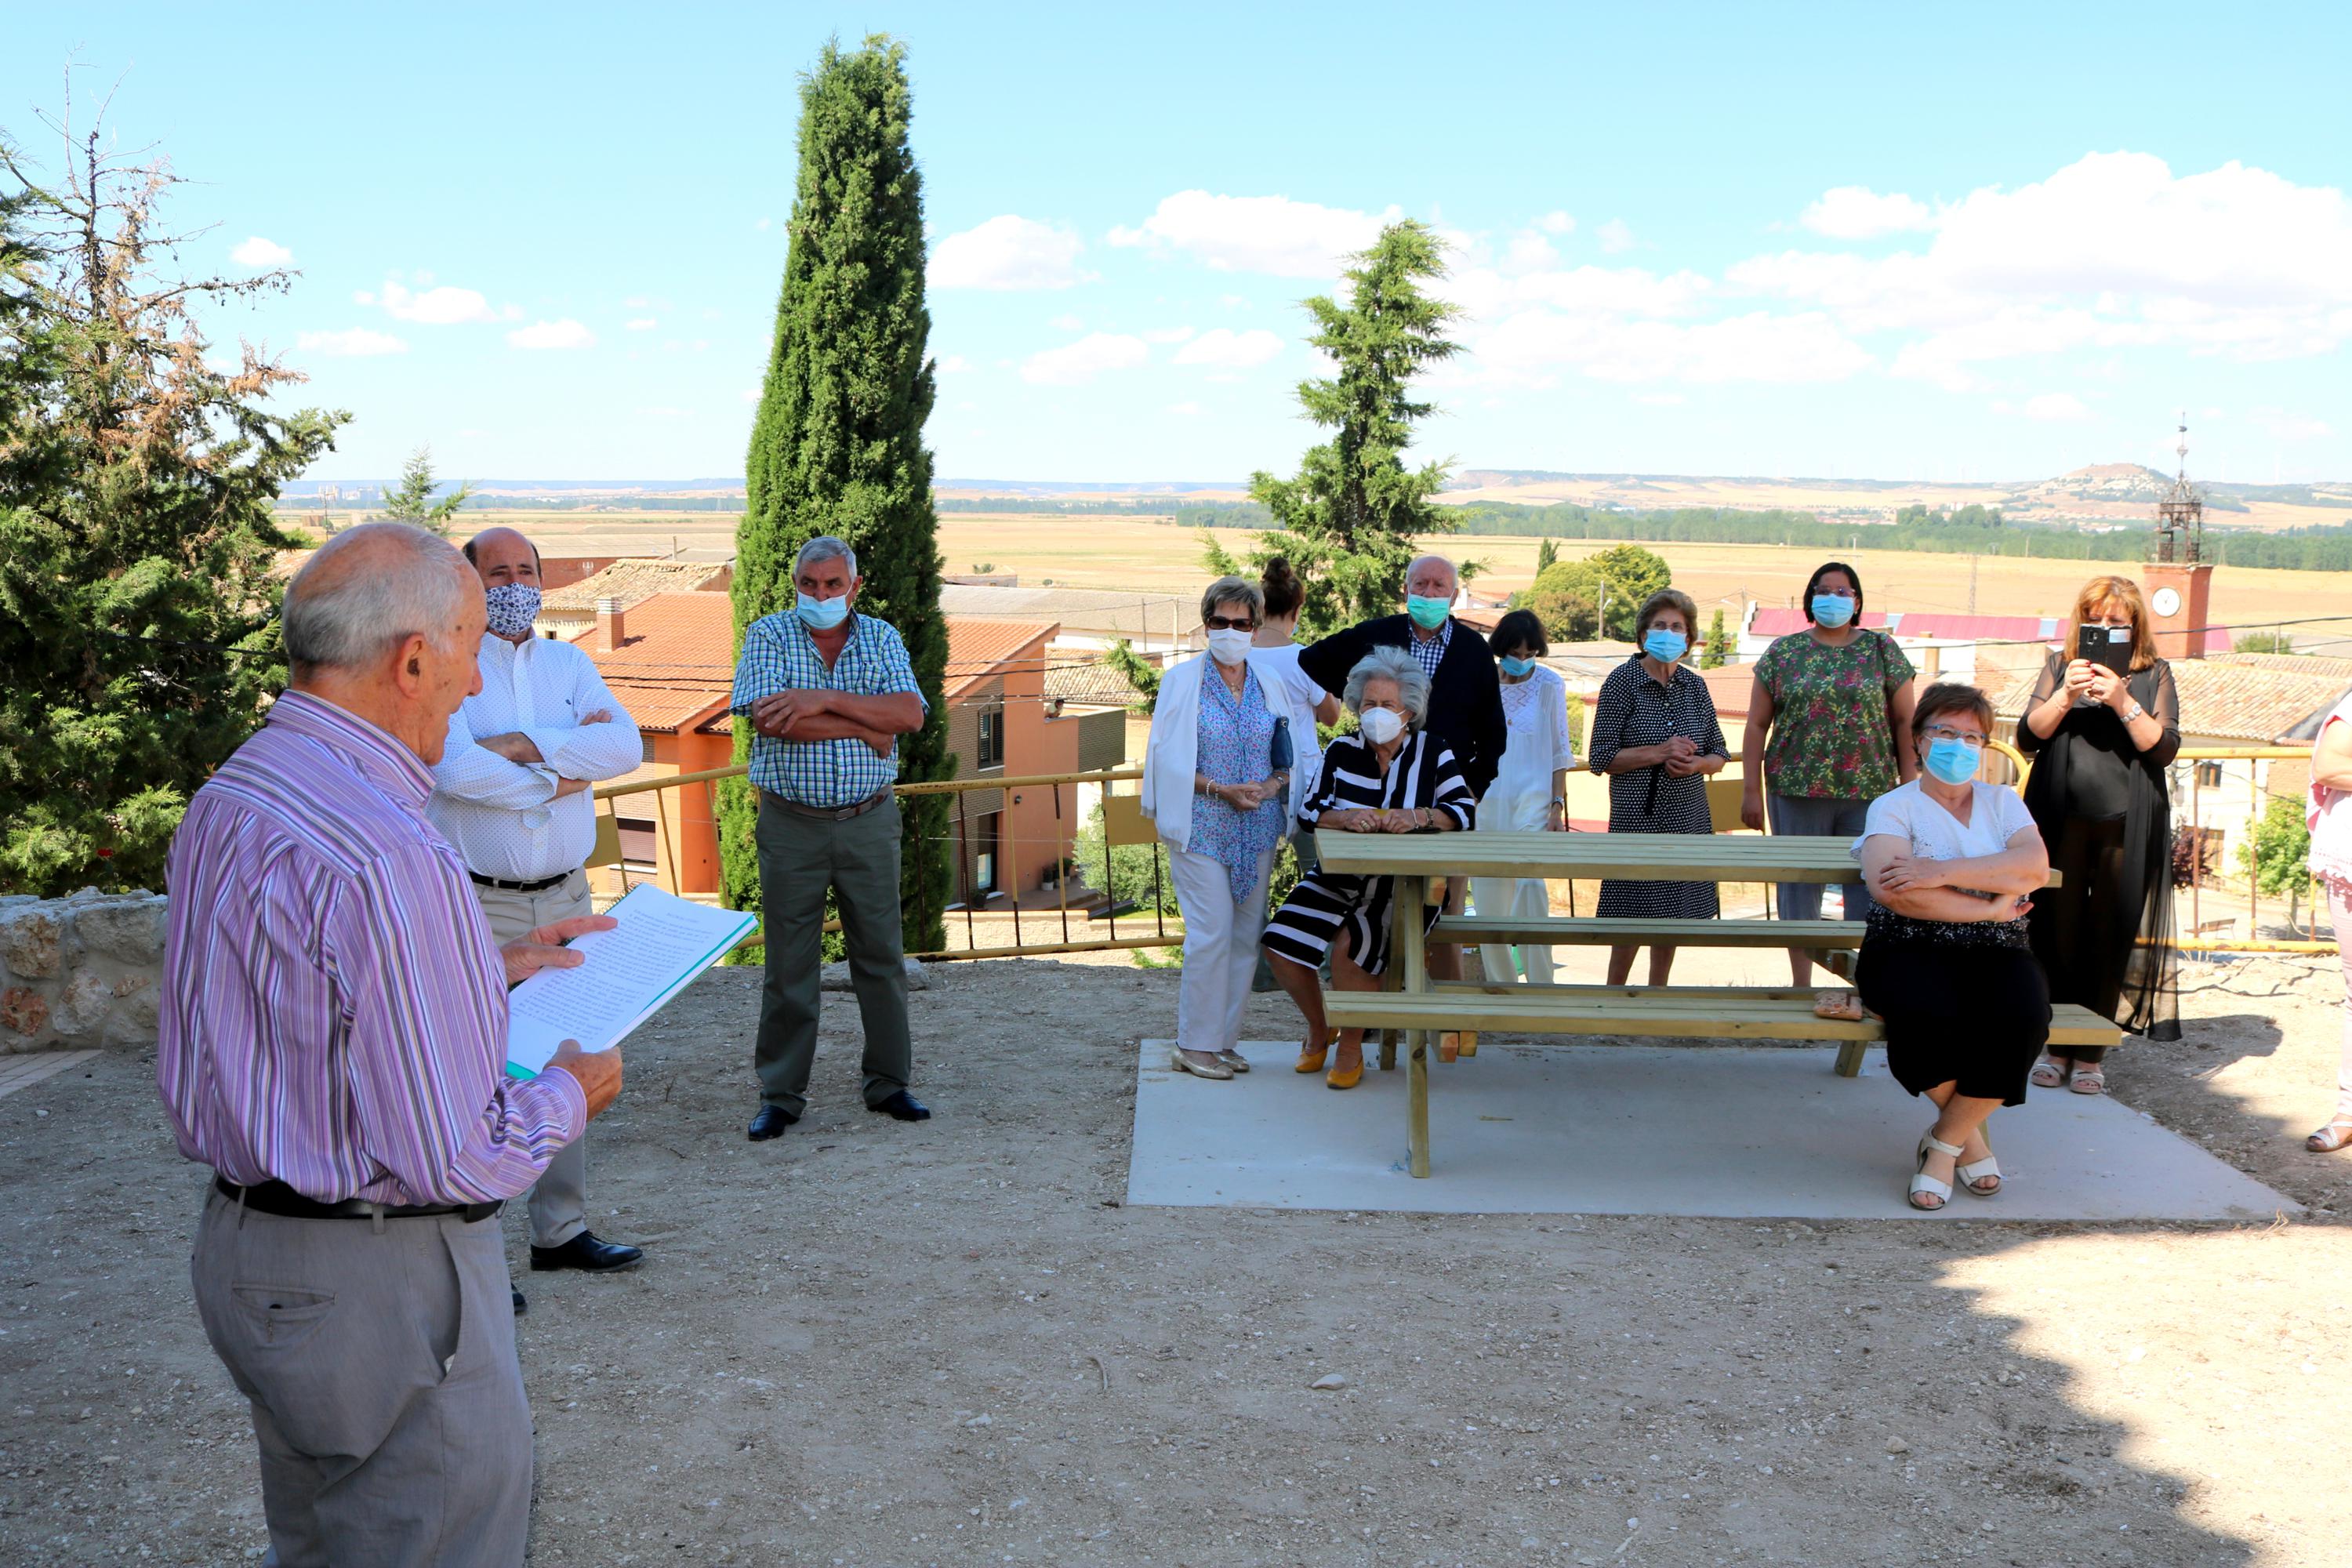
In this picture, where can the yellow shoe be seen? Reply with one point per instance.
(1349, 1078)
(1449, 1046)
(1310, 1057)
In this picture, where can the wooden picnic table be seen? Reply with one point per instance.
(1421, 1009)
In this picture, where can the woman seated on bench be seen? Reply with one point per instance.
(1946, 961)
(1388, 776)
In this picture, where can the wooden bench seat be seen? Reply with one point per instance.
(1690, 1012)
(1644, 933)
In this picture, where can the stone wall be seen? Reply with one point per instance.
(80, 971)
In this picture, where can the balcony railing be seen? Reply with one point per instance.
(984, 931)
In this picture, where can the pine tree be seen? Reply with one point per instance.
(136, 611)
(411, 500)
(1547, 554)
(1351, 516)
(837, 443)
(1720, 646)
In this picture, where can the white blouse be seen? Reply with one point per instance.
(1535, 711)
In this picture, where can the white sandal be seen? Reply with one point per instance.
(1971, 1174)
(1925, 1185)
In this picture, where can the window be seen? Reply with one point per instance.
(2208, 775)
(991, 737)
(640, 838)
(645, 741)
(984, 839)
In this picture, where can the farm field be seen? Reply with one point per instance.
(1138, 556)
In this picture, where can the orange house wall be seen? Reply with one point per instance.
(1034, 746)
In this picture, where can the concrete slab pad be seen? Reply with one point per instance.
(1645, 1130)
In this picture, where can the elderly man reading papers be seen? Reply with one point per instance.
(510, 791)
(334, 1046)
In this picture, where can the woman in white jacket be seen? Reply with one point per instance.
(1529, 793)
(1210, 788)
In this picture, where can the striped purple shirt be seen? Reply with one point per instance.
(334, 1012)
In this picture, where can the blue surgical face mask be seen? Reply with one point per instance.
(1667, 647)
(512, 606)
(1428, 613)
(1953, 761)
(822, 615)
(1517, 668)
(1832, 610)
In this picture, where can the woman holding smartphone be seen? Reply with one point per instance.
(2102, 728)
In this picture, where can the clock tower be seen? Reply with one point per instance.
(2179, 579)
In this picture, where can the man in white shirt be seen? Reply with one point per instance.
(511, 794)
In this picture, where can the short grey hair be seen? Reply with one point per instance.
(825, 547)
(1231, 590)
(1390, 664)
(367, 590)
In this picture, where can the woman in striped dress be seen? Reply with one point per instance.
(1388, 777)
(1654, 734)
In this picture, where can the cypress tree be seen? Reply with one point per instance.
(837, 445)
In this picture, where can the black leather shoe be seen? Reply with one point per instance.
(585, 1252)
(521, 1305)
(769, 1123)
(905, 1107)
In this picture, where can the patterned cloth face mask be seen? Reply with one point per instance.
(512, 606)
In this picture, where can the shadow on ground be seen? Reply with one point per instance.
(877, 1343)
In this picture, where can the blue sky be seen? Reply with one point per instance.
(1995, 242)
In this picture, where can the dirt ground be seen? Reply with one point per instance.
(873, 1344)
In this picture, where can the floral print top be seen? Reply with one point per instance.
(1237, 746)
(1831, 739)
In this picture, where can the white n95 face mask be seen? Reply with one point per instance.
(1229, 646)
(1380, 725)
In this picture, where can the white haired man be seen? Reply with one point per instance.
(511, 793)
(333, 1045)
(829, 691)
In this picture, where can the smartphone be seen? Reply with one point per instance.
(2110, 646)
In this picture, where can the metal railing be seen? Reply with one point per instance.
(1162, 934)
(960, 846)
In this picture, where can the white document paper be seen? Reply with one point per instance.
(624, 975)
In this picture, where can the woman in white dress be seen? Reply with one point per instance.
(1530, 792)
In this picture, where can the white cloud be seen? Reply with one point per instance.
(1660, 399)
(441, 307)
(661, 411)
(1167, 334)
(565, 333)
(1529, 253)
(1233, 302)
(2286, 428)
(1008, 252)
(1066, 323)
(1187, 409)
(354, 342)
(1616, 236)
(1556, 223)
(642, 323)
(259, 252)
(1228, 350)
(1255, 234)
(953, 364)
(1530, 346)
(1074, 364)
(2113, 251)
(763, 225)
(1856, 211)
(2055, 408)
(749, 394)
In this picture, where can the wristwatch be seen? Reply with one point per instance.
(2132, 713)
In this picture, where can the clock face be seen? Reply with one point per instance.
(2165, 601)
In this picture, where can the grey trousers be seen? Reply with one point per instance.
(386, 1396)
(800, 857)
(558, 1204)
(1801, 816)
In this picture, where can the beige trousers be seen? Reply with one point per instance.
(558, 1204)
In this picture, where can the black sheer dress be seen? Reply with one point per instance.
(2104, 809)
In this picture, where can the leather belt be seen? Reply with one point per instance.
(828, 812)
(277, 1198)
(539, 887)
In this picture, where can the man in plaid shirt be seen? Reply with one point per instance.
(829, 693)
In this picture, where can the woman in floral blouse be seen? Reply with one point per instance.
(1829, 731)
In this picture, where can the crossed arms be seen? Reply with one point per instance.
(827, 715)
(1948, 890)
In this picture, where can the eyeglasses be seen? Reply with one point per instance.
(1228, 624)
(1945, 732)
